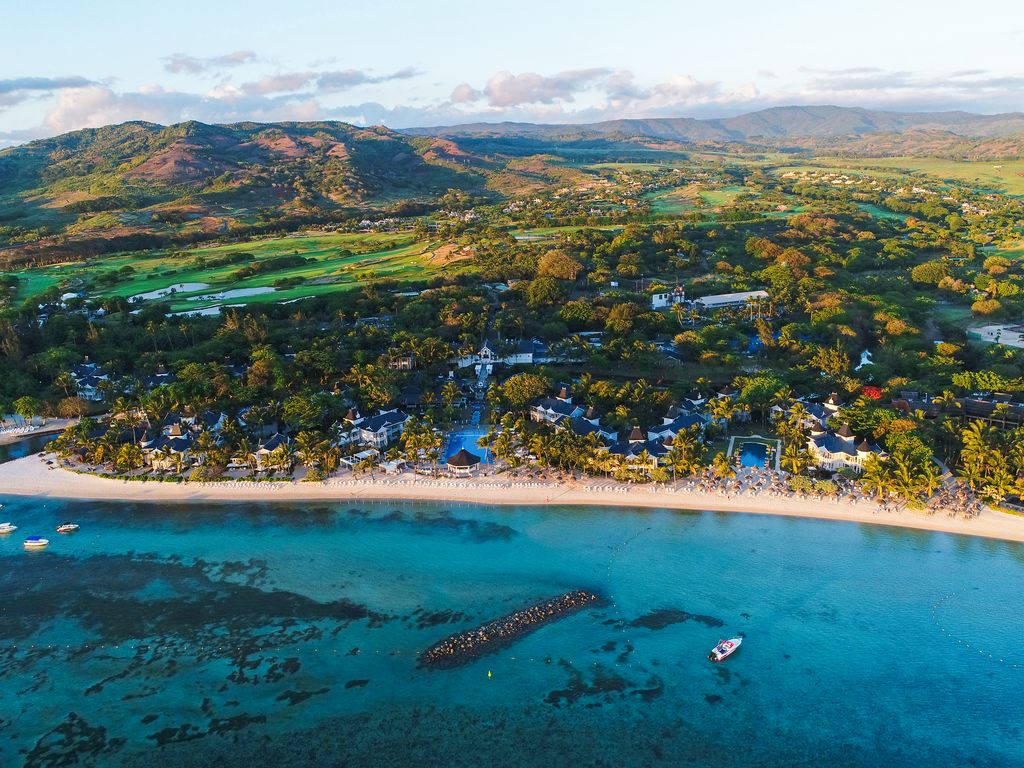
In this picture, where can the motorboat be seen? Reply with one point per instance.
(67, 527)
(36, 542)
(8, 528)
(725, 649)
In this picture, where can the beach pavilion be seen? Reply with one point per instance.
(462, 463)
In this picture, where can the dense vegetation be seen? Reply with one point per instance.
(560, 246)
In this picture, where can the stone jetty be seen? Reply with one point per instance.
(470, 645)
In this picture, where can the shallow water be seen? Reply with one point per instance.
(242, 635)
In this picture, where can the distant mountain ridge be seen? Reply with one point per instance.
(772, 124)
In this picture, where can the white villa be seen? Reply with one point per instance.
(839, 450)
(556, 409)
(375, 431)
(715, 301)
(494, 353)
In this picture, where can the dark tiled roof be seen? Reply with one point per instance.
(274, 442)
(463, 459)
(384, 420)
(556, 406)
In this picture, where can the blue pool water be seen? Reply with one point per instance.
(753, 454)
(251, 635)
(467, 438)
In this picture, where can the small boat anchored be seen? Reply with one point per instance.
(7, 528)
(36, 542)
(67, 527)
(725, 649)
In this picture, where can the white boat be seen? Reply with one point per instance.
(725, 649)
(36, 542)
(67, 528)
(7, 528)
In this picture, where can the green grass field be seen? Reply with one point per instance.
(334, 262)
(1000, 175)
(672, 202)
(881, 213)
(723, 196)
(1005, 176)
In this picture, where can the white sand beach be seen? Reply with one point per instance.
(30, 476)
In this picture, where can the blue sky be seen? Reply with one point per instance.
(67, 65)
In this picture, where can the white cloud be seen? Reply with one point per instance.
(19, 89)
(572, 96)
(180, 63)
(507, 90)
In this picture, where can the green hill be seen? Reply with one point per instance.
(99, 187)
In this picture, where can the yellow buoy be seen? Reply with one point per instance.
(488, 673)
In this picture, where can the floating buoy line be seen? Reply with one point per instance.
(966, 645)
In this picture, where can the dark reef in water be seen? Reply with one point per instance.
(665, 617)
(464, 647)
(70, 743)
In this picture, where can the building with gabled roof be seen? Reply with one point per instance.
(840, 449)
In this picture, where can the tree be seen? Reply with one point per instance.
(686, 454)
(27, 407)
(65, 381)
(876, 479)
(558, 264)
(310, 447)
(70, 407)
(543, 292)
(795, 459)
(518, 391)
(722, 466)
(722, 409)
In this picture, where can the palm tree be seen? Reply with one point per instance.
(722, 467)
(65, 381)
(722, 410)
(797, 415)
(367, 463)
(795, 459)
(998, 487)
(310, 445)
(129, 457)
(946, 401)
(877, 478)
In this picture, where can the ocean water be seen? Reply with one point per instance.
(288, 635)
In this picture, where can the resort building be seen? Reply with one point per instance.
(640, 451)
(554, 409)
(168, 450)
(670, 427)
(589, 424)
(668, 298)
(707, 303)
(492, 353)
(375, 431)
(996, 410)
(724, 300)
(88, 378)
(840, 449)
(274, 446)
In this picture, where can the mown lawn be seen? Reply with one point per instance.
(334, 262)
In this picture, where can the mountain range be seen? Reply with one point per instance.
(774, 123)
(140, 185)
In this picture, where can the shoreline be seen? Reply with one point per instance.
(51, 427)
(30, 476)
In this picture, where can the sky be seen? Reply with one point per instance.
(67, 64)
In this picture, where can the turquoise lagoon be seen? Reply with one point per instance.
(246, 635)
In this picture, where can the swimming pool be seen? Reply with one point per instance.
(753, 454)
(467, 438)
